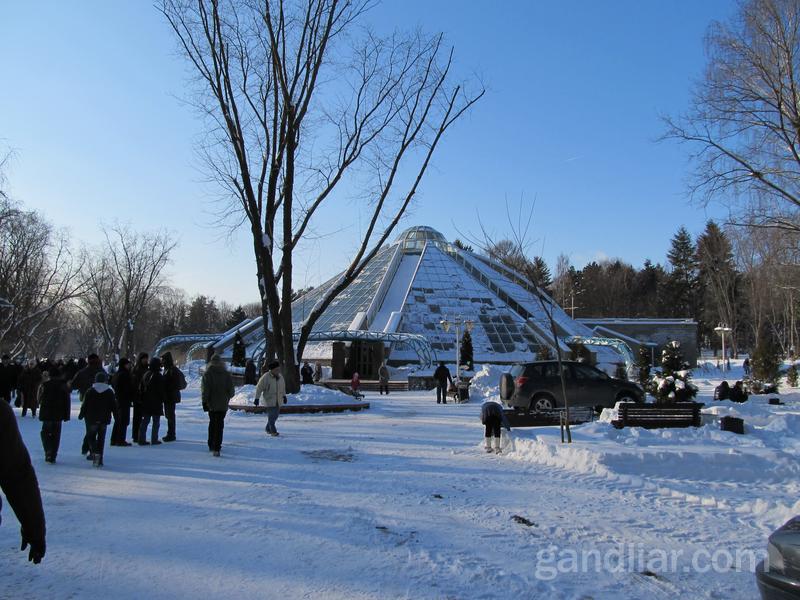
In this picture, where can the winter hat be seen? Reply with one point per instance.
(272, 364)
(166, 359)
(155, 364)
(216, 359)
(123, 362)
(101, 377)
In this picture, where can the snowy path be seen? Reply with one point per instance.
(396, 502)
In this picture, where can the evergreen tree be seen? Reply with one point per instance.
(462, 246)
(237, 316)
(466, 351)
(540, 273)
(766, 359)
(544, 353)
(791, 375)
(680, 292)
(239, 351)
(717, 282)
(672, 383)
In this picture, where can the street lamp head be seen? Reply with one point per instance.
(469, 324)
(445, 325)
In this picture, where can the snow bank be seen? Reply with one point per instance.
(485, 384)
(704, 465)
(309, 394)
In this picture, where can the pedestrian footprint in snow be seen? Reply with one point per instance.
(493, 417)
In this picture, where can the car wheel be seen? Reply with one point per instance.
(627, 397)
(542, 402)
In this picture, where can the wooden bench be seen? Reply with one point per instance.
(544, 418)
(654, 416)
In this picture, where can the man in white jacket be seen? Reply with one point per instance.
(271, 392)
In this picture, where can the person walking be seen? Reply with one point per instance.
(250, 372)
(122, 382)
(153, 394)
(317, 372)
(20, 486)
(28, 387)
(307, 374)
(216, 390)
(137, 374)
(383, 379)
(174, 382)
(493, 418)
(82, 381)
(8, 378)
(98, 406)
(271, 391)
(54, 409)
(443, 379)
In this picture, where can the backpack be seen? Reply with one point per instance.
(181, 379)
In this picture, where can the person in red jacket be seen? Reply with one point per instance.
(19, 484)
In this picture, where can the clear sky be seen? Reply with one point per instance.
(90, 100)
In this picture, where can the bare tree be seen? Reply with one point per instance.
(38, 274)
(122, 277)
(299, 109)
(745, 117)
(513, 252)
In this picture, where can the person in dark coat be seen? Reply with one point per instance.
(250, 377)
(70, 369)
(20, 486)
(216, 391)
(737, 393)
(443, 378)
(28, 387)
(98, 406)
(54, 408)
(307, 374)
(493, 418)
(83, 380)
(122, 382)
(138, 372)
(8, 378)
(174, 382)
(153, 394)
(722, 391)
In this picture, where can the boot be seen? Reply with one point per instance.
(497, 446)
(98, 460)
(216, 452)
(488, 444)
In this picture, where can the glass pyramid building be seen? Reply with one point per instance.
(414, 283)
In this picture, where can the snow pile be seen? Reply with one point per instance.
(702, 465)
(485, 385)
(309, 394)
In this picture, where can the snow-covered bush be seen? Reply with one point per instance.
(672, 384)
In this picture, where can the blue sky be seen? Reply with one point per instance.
(90, 100)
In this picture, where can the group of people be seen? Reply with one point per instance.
(151, 388)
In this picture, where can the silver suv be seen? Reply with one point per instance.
(537, 386)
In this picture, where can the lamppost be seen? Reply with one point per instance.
(722, 330)
(457, 323)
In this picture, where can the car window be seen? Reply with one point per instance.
(586, 372)
(551, 370)
(517, 370)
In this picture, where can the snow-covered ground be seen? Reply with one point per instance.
(401, 501)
